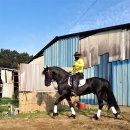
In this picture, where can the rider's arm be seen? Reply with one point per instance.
(71, 70)
(80, 63)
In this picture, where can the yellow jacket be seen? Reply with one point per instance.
(78, 66)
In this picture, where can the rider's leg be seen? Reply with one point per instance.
(76, 79)
(75, 84)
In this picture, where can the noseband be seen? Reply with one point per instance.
(48, 80)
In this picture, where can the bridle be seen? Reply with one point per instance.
(48, 79)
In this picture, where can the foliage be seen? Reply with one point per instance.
(11, 59)
(3, 108)
(15, 95)
(5, 101)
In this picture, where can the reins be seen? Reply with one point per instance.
(63, 80)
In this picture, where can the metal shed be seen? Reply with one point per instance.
(106, 53)
(9, 82)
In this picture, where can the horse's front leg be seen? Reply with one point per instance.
(73, 115)
(59, 99)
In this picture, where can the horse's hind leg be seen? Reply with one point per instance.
(59, 99)
(113, 104)
(113, 109)
(97, 115)
(73, 115)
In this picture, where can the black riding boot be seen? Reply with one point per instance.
(74, 91)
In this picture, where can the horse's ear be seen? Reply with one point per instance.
(45, 66)
(45, 69)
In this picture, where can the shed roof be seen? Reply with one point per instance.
(81, 35)
(9, 69)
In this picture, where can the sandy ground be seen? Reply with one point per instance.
(62, 122)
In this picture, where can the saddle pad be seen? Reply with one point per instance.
(81, 82)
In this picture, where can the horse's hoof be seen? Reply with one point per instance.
(55, 114)
(117, 115)
(95, 117)
(72, 116)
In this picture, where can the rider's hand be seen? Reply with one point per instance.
(70, 73)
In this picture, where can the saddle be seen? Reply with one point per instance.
(81, 82)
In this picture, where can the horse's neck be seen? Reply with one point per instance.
(60, 76)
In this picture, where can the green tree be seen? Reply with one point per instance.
(11, 59)
(24, 57)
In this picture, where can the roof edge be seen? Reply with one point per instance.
(81, 34)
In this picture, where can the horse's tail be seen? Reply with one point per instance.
(112, 100)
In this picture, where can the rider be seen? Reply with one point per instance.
(77, 70)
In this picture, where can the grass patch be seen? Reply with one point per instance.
(85, 112)
(64, 112)
(82, 112)
(27, 115)
(5, 102)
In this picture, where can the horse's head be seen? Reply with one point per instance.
(48, 76)
(54, 74)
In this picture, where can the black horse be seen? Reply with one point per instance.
(98, 86)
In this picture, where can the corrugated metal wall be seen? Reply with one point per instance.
(102, 70)
(89, 98)
(61, 52)
(7, 78)
(121, 81)
(32, 79)
(118, 73)
(114, 42)
(113, 65)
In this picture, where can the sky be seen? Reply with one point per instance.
(29, 25)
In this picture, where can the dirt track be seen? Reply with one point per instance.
(82, 122)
